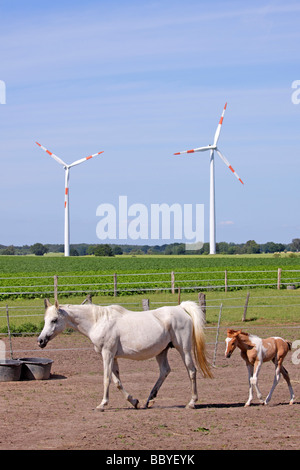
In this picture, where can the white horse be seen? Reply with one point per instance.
(120, 333)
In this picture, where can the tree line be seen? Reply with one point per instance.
(84, 249)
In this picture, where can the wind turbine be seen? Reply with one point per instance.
(212, 213)
(67, 172)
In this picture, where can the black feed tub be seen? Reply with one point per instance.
(10, 370)
(35, 368)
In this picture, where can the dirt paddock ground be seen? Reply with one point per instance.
(59, 413)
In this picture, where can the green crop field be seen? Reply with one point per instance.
(33, 276)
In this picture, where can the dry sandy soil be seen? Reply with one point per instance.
(59, 413)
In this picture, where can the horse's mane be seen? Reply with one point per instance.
(233, 332)
(108, 311)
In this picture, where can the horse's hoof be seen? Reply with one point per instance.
(266, 403)
(190, 406)
(246, 405)
(291, 402)
(99, 408)
(149, 404)
(135, 403)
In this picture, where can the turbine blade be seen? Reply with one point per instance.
(200, 149)
(59, 160)
(66, 187)
(77, 162)
(217, 134)
(229, 166)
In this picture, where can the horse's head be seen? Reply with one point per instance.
(54, 323)
(231, 341)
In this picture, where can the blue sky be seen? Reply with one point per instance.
(142, 80)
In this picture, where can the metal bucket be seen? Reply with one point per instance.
(35, 368)
(10, 370)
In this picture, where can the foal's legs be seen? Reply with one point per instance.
(287, 379)
(280, 369)
(117, 381)
(275, 382)
(164, 370)
(253, 372)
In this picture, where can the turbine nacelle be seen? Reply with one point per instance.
(214, 147)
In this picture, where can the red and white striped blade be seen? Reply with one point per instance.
(229, 166)
(59, 160)
(67, 173)
(217, 134)
(200, 149)
(84, 159)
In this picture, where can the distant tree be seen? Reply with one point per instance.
(38, 249)
(251, 247)
(117, 250)
(103, 250)
(222, 247)
(10, 250)
(73, 252)
(295, 244)
(91, 249)
(169, 250)
(271, 247)
(180, 249)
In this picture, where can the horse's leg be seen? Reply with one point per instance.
(250, 374)
(164, 370)
(190, 366)
(253, 372)
(117, 381)
(287, 379)
(108, 360)
(276, 380)
(257, 367)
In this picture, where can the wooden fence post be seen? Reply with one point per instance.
(202, 303)
(115, 285)
(179, 294)
(55, 287)
(246, 306)
(226, 280)
(146, 303)
(173, 282)
(87, 300)
(278, 278)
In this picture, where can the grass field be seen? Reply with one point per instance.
(266, 305)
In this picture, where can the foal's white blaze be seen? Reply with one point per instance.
(227, 341)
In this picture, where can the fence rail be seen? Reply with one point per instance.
(125, 283)
(213, 333)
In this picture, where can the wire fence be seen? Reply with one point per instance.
(215, 334)
(118, 284)
(11, 314)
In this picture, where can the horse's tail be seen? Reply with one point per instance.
(289, 344)
(197, 316)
